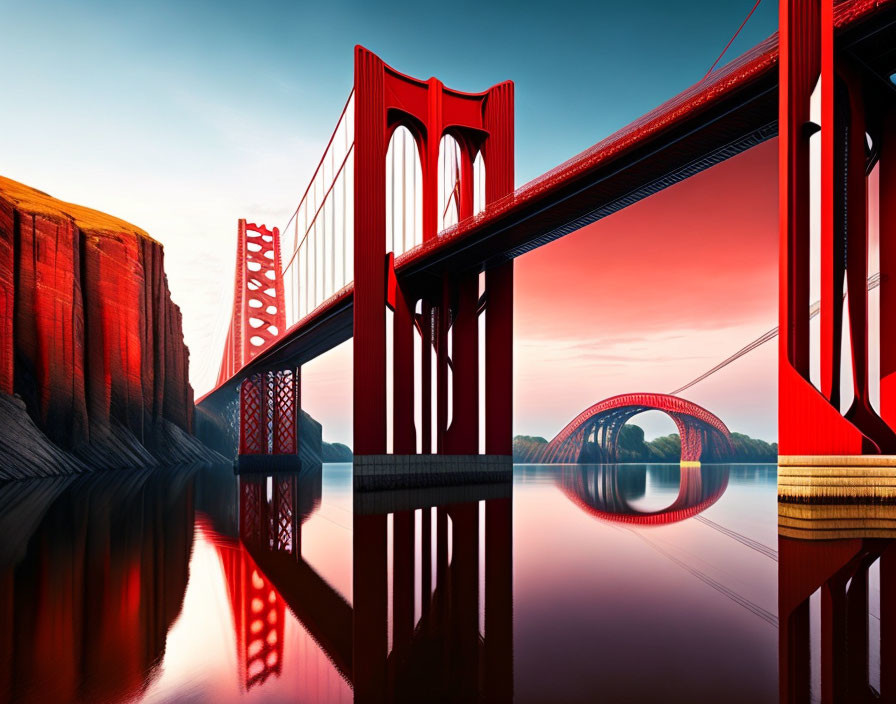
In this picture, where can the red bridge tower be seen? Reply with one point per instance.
(269, 400)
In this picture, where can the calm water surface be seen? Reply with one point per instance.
(618, 583)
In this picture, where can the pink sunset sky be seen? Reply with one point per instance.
(643, 300)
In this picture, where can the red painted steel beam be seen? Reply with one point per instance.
(731, 110)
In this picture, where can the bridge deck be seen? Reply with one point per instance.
(726, 113)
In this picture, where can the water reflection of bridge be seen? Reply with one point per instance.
(416, 629)
(605, 491)
(827, 644)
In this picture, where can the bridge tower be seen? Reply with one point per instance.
(856, 131)
(450, 304)
(269, 400)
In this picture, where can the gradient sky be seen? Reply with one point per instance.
(184, 117)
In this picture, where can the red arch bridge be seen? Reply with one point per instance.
(407, 233)
(593, 435)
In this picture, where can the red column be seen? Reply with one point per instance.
(887, 203)
(441, 333)
(426, 327)
(464, 430)
(499, 360)
(286, 397)
(369, 330)
(499, 165)
(404, 435)
(253, 425)
(463, 435)
(807, 422)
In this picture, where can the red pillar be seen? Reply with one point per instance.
(369, 330)
(499, 165)
(463, 435)
(887, 203)
(287, 404)
(808, 422)
(442, 321)
(464, 430)
(253, 416)
(426, 326)
(404, 435)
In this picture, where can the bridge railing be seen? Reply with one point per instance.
(318, 262)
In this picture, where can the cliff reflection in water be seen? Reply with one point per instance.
(92, 574)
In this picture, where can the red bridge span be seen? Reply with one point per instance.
(593, 435)
(407, 233)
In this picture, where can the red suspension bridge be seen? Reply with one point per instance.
(407, 232)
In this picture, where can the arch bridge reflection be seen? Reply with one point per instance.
(606, 491)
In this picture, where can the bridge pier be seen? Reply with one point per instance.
(855, 129)
(448, 396)
(270, 405)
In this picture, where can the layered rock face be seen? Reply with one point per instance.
(89, 338)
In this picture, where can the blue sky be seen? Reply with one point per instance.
(184, 116)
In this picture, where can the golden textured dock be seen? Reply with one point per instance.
(869, 479)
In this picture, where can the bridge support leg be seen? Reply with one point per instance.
(887, 223)
(691, 444)
(404, 434)
(463, 433)
(813, 427)
(270, 405)
(499, 360)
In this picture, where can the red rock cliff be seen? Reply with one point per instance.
(89, 336)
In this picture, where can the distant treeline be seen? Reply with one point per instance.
(633, 448)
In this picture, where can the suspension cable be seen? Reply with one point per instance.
(731, 41)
